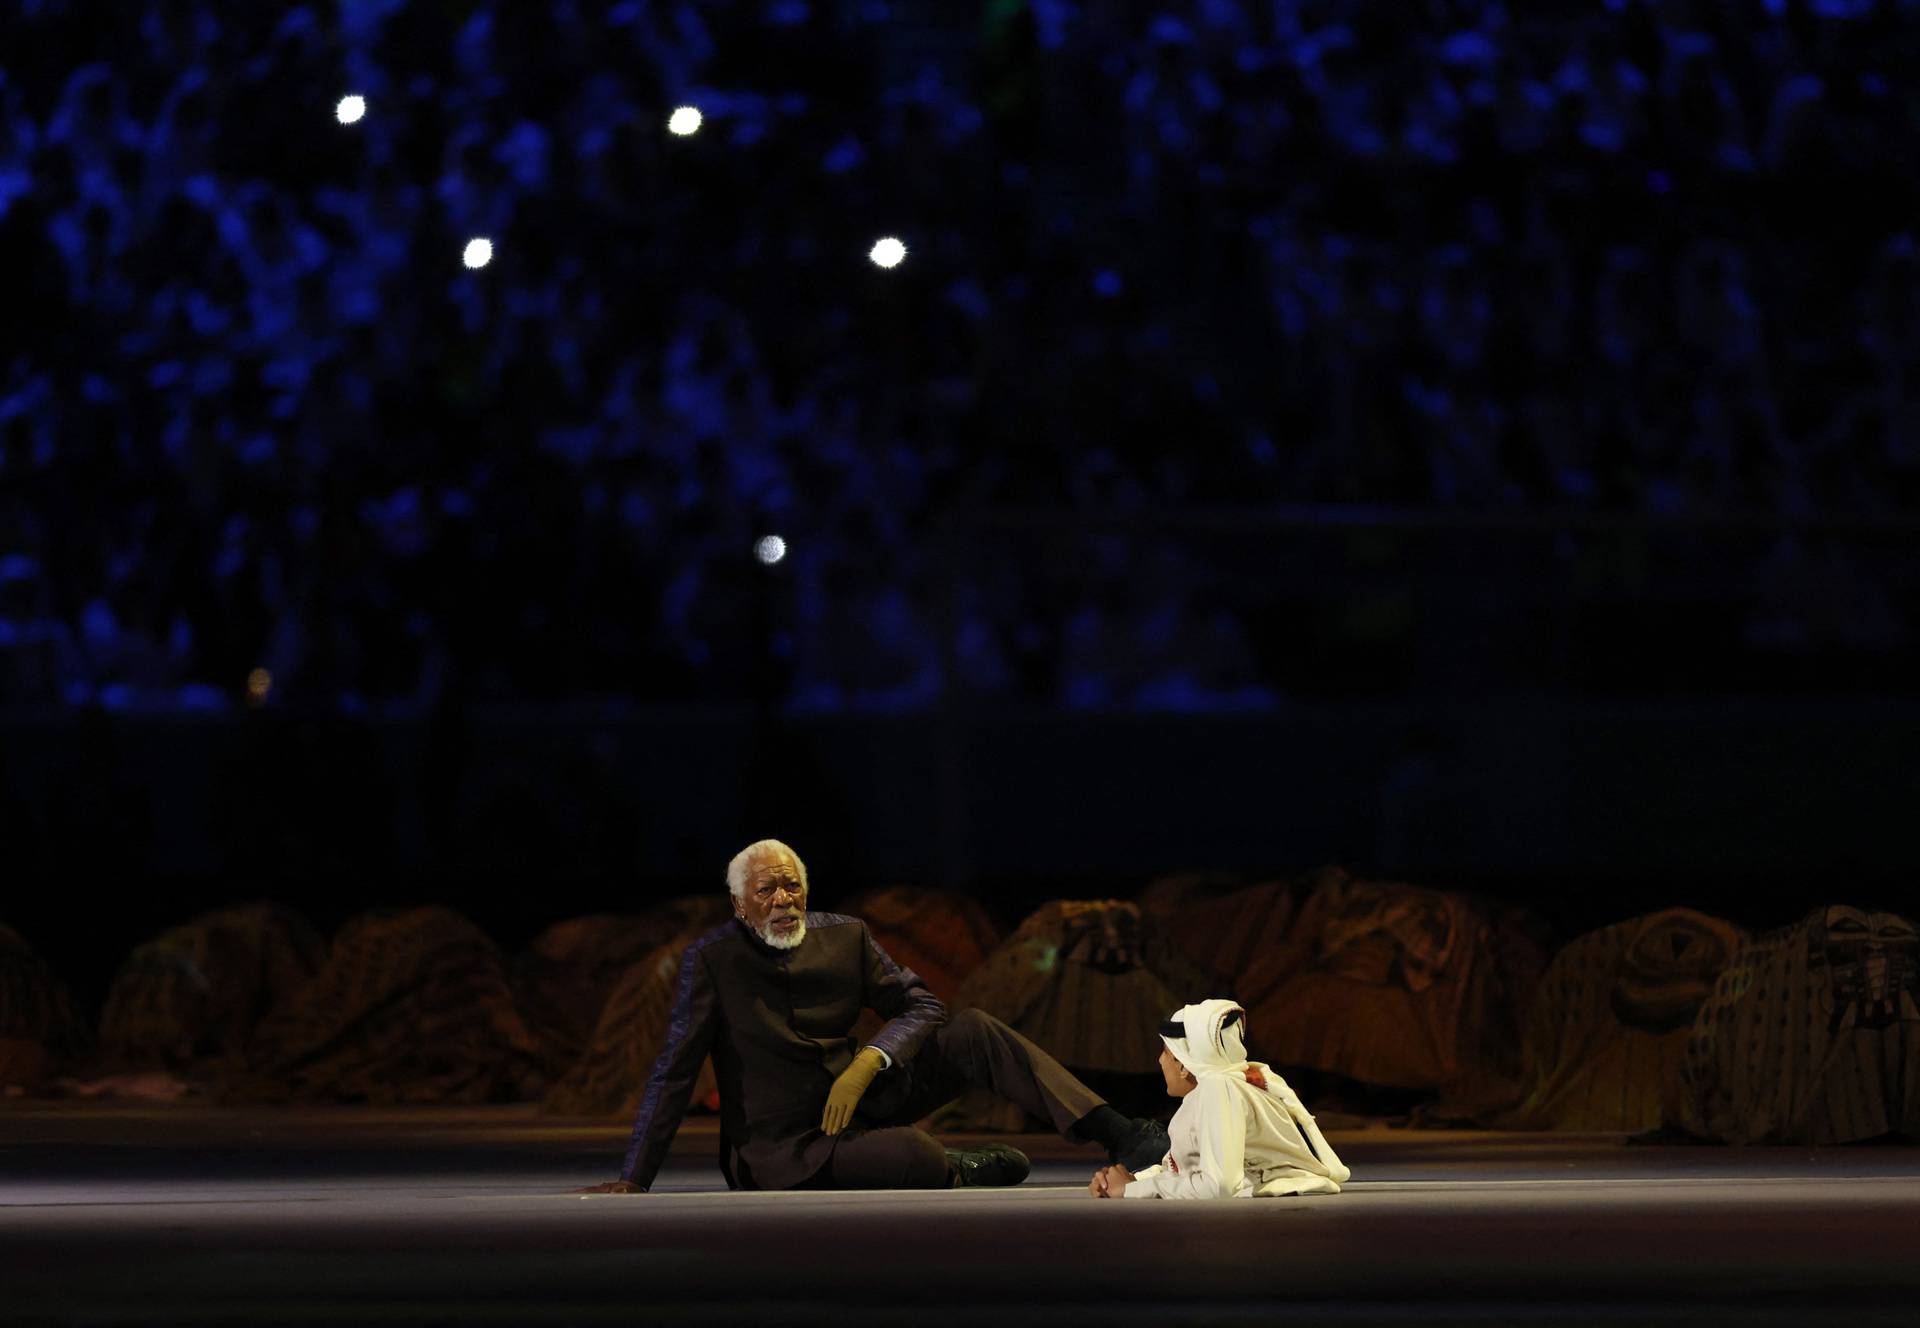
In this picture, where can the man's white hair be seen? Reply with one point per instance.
(737, 869)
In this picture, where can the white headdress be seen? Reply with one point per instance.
(1208, 1038)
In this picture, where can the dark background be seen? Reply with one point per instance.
(1472, 443)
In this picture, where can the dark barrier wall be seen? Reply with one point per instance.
(113, 827)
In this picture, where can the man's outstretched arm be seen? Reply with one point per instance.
(690, 1030)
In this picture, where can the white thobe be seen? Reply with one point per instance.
(1231, 1140)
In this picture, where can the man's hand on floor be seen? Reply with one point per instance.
(1110, 1182)
(613, 1187)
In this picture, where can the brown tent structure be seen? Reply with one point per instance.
(411, 1006)
(38, 1029)
(611, 1075)
(1811, 1035)
(195, 993)
(940, 934)
(1089, 980)
(1165, 897)
(563, 981)
(1225, 934)
(1607, 1031)
(1394, 985)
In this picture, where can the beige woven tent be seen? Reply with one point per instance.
(39, 1033)
(1811, 1035)
(1395, 985)
(411, 1006)
(611, 1075)
(1089, 980)
(1607, 1031)
(940, 934)
(195, 993)
(563, 981)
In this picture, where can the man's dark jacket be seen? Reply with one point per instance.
(779, 1025)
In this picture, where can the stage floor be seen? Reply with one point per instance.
(113, 1213)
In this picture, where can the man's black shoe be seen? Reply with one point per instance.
(990, 1164)
(1143, 1146)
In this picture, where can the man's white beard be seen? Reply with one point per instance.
(788, 941)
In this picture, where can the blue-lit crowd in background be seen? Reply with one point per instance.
(257, 420)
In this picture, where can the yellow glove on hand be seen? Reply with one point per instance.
(849, 1088)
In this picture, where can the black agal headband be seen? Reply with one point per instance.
(1173, 1028)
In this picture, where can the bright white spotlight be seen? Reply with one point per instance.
(887, 252)
(684, 120)
(479, 252)
(350, 109)
(769, 549)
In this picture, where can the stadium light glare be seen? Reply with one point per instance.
(351, 109)
(684, 120)
(887, 252)
(478, 253)
(769, 549)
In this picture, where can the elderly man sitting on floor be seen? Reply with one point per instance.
(773, 995)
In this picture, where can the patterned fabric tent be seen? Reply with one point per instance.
(1089, 980)
(411, 1006)
(939, 934)
(38, 1029)
(611, 1075)
(1811, 1035)
(563, 981)
(1166, 897)
(195, 993)
(1607, 1031)
(1225, 935)
(1394, 985)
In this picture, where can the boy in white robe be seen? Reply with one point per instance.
(1240, 1131)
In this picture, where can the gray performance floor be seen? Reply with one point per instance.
(119, 1214)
